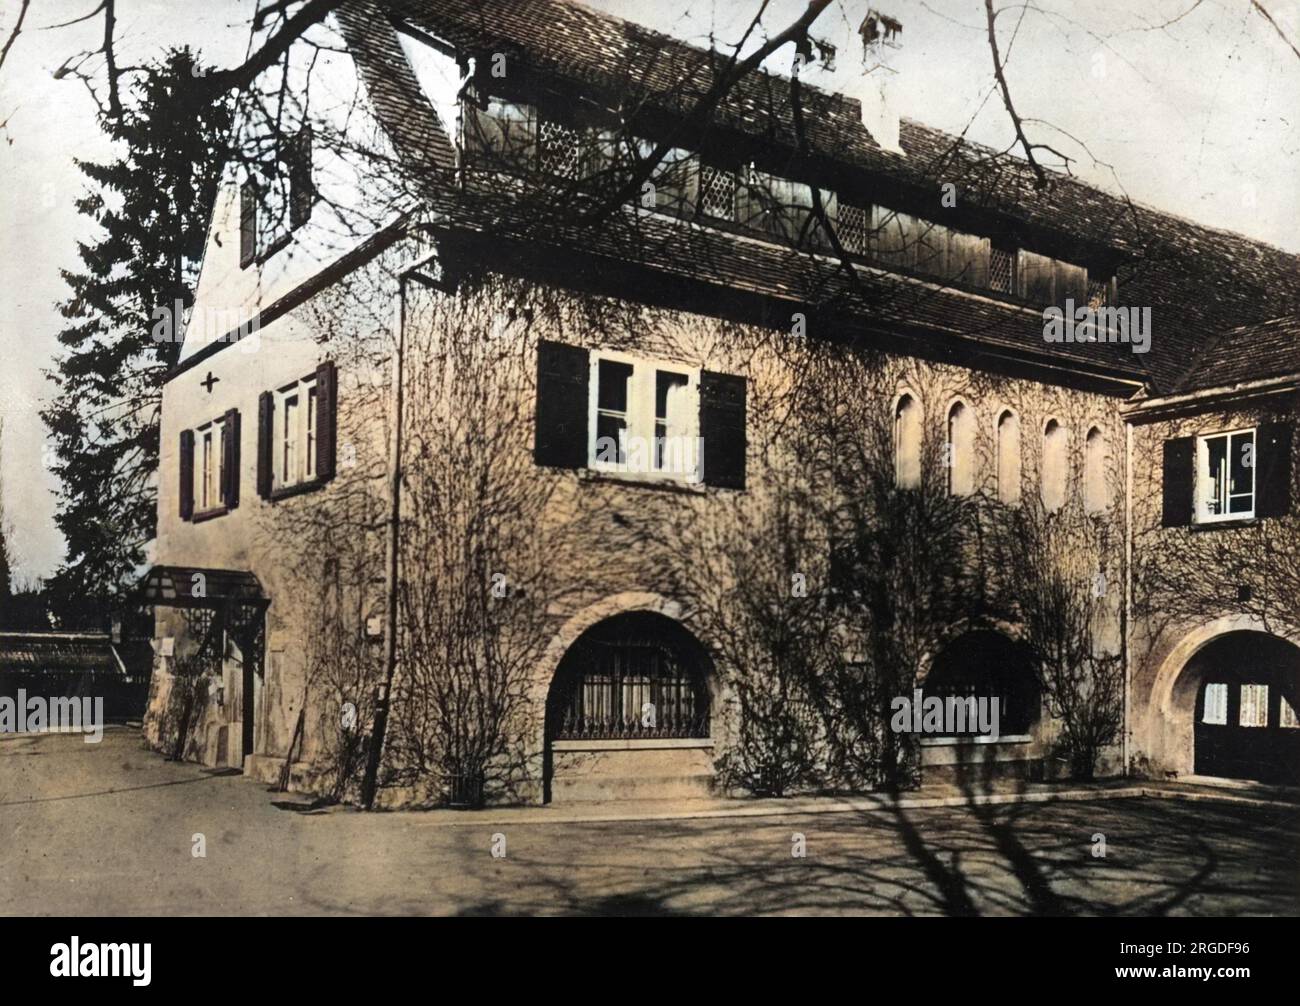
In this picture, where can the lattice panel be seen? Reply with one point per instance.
(852, 228)
(1098, 293)
(561, 149)
(1002, 270)
(717, 192)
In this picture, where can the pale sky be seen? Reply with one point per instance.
(1198, 115)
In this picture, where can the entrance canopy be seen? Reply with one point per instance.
(197, 587)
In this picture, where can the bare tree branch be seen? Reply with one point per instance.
(1039, 172)
(1276, 27)
(704, 108)
(13, 35)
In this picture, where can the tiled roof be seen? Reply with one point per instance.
(1247, 353)
(50, 651)
(197, 586)
(1198, 280)
(872, 299)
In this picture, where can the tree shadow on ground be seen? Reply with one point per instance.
(1164, 857)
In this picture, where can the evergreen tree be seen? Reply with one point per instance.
(150, 209)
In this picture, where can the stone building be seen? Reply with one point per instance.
(581, 435)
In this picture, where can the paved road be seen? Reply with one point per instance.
(109, 829)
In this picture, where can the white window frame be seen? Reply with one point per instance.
(300, 438)
(1204, 487)
(209, 467)
(642, 421)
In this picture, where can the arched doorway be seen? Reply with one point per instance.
(985, 664)
(636, 682)
(1247, 697)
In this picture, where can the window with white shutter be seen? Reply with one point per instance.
(1254, 706)
(1216, 704)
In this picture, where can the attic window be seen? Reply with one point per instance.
(717, 192)
(561, 149)
(1002, 270)
(853, 227)
(1098, 291)
(272, 208)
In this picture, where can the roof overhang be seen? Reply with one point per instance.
(1172, 406)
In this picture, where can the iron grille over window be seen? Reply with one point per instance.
(640, 682)
(717, 192)
(853, 229)
(984, 665)
(1002, 270)
(561, 149)
(1098, 292)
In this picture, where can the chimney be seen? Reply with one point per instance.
(877, 87)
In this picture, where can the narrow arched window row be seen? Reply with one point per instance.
(961, 456)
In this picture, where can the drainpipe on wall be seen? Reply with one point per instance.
(1127, 618)
(424, 271)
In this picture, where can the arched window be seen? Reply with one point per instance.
(1009, 458)
(1055, 465)
(961, 449)
(907, 443)
(1094, 472)
(637, 675)
(984, 665)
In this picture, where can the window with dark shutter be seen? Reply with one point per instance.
(301, 192)
(187, 474)
(327, 397)
(1177, 482)
(722, 428)
(247, 224)
(560, 433)
(230, 459)
(1273, 445)
(265, 414)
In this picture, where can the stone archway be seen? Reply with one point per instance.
(1219, 703)
(1243, 690)
(628, 712)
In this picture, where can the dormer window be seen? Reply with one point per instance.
(1002, 269)
(717, 192)
(852, 226)
(674, 182)
(1099, 289)
(501, 135)
(559, 149)
(784, 209)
